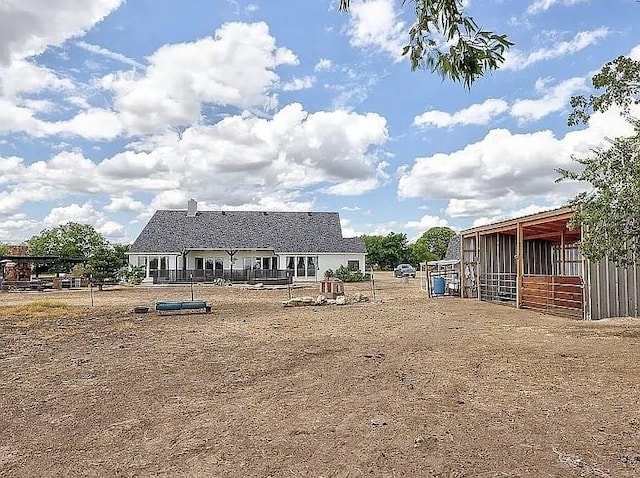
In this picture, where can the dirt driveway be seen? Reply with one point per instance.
(410, 386)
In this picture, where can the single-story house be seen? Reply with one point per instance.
(534, 262)
(251, 246)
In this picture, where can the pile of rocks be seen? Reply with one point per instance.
(299, 301)
(322, 300)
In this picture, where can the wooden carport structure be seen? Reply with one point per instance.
(534, 262)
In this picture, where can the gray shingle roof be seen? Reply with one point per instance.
(453, 250)
(306, 232)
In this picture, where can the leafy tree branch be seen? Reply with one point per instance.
(620, 80)
(445, 40)
(610, 211)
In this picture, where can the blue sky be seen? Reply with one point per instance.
(110, 110)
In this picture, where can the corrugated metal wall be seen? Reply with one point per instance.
(537, 257)
(612, 291)
(497, 253)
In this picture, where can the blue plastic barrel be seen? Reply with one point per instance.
(438, 285)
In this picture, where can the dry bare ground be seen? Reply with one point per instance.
(408, 387)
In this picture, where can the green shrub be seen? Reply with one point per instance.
(349, 275)
(132, 274)
(221, 281)
(78, 271)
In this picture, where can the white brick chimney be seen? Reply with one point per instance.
(192, 208)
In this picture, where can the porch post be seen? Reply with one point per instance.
(519, 263)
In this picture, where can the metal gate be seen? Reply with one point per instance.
(559, 295)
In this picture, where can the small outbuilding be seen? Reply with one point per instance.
(442, 277)
(534, 262)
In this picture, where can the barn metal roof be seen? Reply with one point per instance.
(529, 219)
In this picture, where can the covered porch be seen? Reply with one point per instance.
(249, 276)
(200, 265)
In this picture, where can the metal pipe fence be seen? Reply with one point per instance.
(251, 276)
(498, 287)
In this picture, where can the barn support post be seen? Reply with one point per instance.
(519, 263)
(463, 282)
(587, 312)
(499, 268)
(562, 254)
(479, 259)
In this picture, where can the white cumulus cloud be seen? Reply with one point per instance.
(517, 60)
(376, 24)
(234, 67)
(28, 27)
(477, 114)
(426, 222)
(240, 162)
(299, 84)
(84, 214)
(324, 64)
(506, 169)
(543, 5)
(553, 99)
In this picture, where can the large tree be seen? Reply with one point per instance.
(104, 264)
(68, 240)
(421, 253)
(433, 244)
(445, 40)
(387, 251)
(121, 252)
(610, 210)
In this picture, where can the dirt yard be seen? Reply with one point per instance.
(410, 386)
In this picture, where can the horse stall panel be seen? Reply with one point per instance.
(559, 295)
(498, 287)
(497, 268)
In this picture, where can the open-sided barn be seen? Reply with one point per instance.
(534, 262)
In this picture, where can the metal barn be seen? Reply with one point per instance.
(533, 262)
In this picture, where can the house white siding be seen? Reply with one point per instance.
(334, 261)
(322, 262)
(238, 258)
(158, 261)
